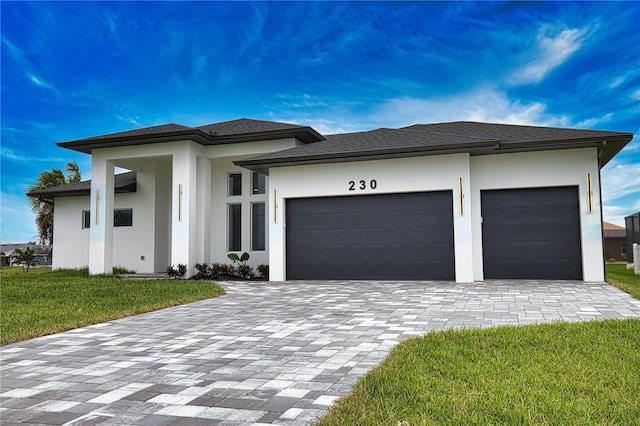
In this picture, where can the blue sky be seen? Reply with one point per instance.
(77, 69)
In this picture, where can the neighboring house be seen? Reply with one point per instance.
(461, 201)
(9, 255)
(615, 242)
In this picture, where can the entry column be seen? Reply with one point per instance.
(183, 208)
(101, 229)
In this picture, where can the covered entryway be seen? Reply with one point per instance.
(531, 233)
(371, 237)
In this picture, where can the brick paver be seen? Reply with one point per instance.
(263, 354)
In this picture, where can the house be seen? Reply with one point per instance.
(10, 257)
(615, 242)
(460, 201)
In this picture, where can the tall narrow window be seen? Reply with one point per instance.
(235, 227)
(258, 183)
(257, 227)
(123, 217)
(86, 219)
(235, 184)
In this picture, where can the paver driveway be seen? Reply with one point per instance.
(264, 353)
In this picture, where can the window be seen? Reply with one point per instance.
(86, 219)
(235, 227)
(235, 184)
(623, 248)
(257, 227)
(123, 217)
(258, 181)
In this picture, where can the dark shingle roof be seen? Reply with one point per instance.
(145, 131)
(245, 125)
(378, 141)
(508, 133)
(241, 130)
(440, 138)
(123, 182)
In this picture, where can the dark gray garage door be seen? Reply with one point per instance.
(531, 233)
(371, 237)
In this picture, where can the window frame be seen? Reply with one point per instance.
(258, 236)
(86, 219)
(231, 186)
(258, 183)
(234, 227)
(116, 216)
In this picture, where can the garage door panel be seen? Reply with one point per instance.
(563, 269)
(391, 236)
(531, 233)
(548, 197)
(543, 215)
(535, 250)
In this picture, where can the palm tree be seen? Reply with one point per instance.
(44, 208)
(26, 258)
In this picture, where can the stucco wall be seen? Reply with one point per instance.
(220, 170)
(70, 241)
(416, 174)
(539, 169)
(517, 170)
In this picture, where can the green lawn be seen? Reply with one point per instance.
(42, 302)
(624, 279)
(549, 374)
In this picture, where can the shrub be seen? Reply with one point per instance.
(221, 270)
(178, 272)
(203, 271)
(612, 260)
(245, 271)
(263, 270)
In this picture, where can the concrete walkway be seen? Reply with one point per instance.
(264, 353)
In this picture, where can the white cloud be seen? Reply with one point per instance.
(40, 82)
(620, 180)
(18, 222)
(551, 52)
(616, 213)
(486, 105)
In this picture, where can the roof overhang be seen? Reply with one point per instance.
(123, 183)
(304, 134)
(607, 149)
(263, 165)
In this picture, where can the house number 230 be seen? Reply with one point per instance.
(362, 185)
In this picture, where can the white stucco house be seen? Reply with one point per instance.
(459, 201)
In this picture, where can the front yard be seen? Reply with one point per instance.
(42, 302)
(548, 374)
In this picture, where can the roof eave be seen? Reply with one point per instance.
(304, 134)
(86, 145)
(608, 147)
(263, 166)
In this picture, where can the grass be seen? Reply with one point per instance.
(548, 374)
(561, 373)
(623, 278)
(43, 302)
